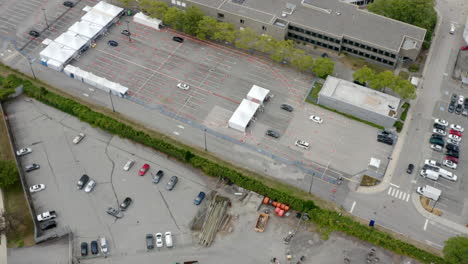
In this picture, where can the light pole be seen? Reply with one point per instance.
(45, 17)
(311, 182)
(128, 29)
(30, 65)
(204, 133)
(112, 102)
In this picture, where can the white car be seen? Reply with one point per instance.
(441, 122)
(453, 142)
(302, 144)
(451, 177)
(159, 240)
(37, 188)
(457, 127)
(450, 164)
(183, 86)
(436, 147)
(78, 138)
(90, 186)
(439, 132)
(316, 119)
(460, 99)
(455, 137)
(168, 238)
(23, 152)
(432, 163)
(128, 165)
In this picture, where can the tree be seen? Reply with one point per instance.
(385, 79)
(301, 61)
(174, 17)
(265, 44)
(364, 75)
(8, 173)
(190, 20)
(207, 27)
(420, 13)
(246, 38)
(224, 32)
(282, 49)
(155, 9)
(404, 88)
(146, 5)
(323, 67)
(456, 250)
(127, 3)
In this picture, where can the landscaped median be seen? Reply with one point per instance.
(325, 219)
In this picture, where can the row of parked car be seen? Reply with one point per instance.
(458, 104)
(158, 238)
(455, 133)
(94, 247)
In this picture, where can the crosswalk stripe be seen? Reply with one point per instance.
(389, 190)
(407, 198)
(404, 196)
(401, 194)
(396, 194)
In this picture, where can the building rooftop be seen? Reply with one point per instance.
(329, 16)
(360, 96)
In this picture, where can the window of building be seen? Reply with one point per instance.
(336, 48)
(393, 56)
(368, 48)
(379, 59)
(366, 55)
(361, 53)
(307, 32)
(387, 54)
(345, 41)
(264, 28)
(385, 61)
(290, 34)
(220, 15)
(380, 52)
(391, 63)
(242, 21)
(373, 57)
(314, 34)
(325, 37)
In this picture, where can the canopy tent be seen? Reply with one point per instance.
(57, 52)
(107, 9)
(72, 40)
(257, 94)
(86, 29)
(97, 18)
(243, 114)
(146, 20)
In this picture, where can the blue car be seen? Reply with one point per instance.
(199, 198)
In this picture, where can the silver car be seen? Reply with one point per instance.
(172, 182)
(90, 186)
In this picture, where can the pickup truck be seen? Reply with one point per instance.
(46, 216)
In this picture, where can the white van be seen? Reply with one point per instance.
(168, 238)
(103, 243)
(447, 175)
(430, 174)
(452, 28)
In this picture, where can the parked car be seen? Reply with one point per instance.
(287, 107)
(172, 183)
(429, 167)
(143, 169)
(465, 111)
(450, 164)
(272, 133)
(452, 147)
(94, 247)
(386, 140)
(441, 122)
(36, 188)
(457, 127)
(159, 240)
(178, 39)
(168, 238)
(455, 132)
(316, 119)
(78, 138)
(432, 163)
(114, 212)
(84, 249)
(437, 136)
(437, 141)
(451, 108)
(453, 142)
(157, 178)
(464, 48)
(32, 167)
(112, 43)
(452, 159)
(23, 151)
(461, 98)
(410, 168)
(199, 198)
(454, 137)
(48, 225)
(82, 181)
(436, 147)
(454, 98)
(90, 186)
(125, 33)
(103, 244)
(126, 203)
(438, 126)
(458, 109)
(34, 33)
(439, 132)
(183, 86)
(452, 154)
(302, 144)
(69, 4)
(149, 241)
(128, 165)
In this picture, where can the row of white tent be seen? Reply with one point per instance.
(80, 35)
(94, 80)
(244, 113)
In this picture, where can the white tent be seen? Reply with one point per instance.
(257, 94)
(72, 40)
(55, 65)
(97, 18)
(107, 9)
(57, 52)
(243, 114)
(70, 70)
(146, 20)
(86, 29)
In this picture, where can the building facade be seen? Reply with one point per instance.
(330, 24)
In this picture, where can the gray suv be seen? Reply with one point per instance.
(172, 182)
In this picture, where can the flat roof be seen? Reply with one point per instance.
(332, 17)
(359, 96)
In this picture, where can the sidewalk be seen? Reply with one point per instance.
(3, 241)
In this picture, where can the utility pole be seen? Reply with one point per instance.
(45, 17)
(32, 70)
(112, 102)
(128, 29)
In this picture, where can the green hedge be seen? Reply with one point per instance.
(398, 125)
(405, 106)
(330, 220)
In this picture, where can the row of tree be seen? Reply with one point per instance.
(192, 21)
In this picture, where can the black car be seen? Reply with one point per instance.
(324, 55)
(48, 225)
(126, 32)
(454, 99)
(437, 141)
(34, 33)
(452, 147)
(112, 43)
(82, 181)
(458, 109)
(437, 136)
(272, 133)
(32, 167)
(287, 107)
(149, 241)
(451, 107)
(385, 140)
(69, 4)
(172, 182)
(439, 126)
(178, 39)
(158, 177)
(410, 168)
(126, 203)
(452, 154)
(84, 249)
(94, 247)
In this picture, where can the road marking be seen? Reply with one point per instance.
(425, 224)
(389, 190)
(85, 94)
(394, 185)
(401, 194)
(352, 207)
(181, 126)
(407, 198)
(398, 194)
(176, 133)
(404, 196)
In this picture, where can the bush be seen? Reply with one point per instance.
(406, 107)
(316, 90)
(413, 67)
(398, 125)
(8, 173)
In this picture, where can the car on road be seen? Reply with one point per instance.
(47, 225)
(452, 154)
(302, 144)
(432, 163)
(32, 167)
(159, 240)
(454, 137)
(82, 181)
(78, 138)
(172, 183)
(452, 147)
(439, 132)
(453, 142)
(69, 4)
(114, 212)
(149, 241)
(410, 168)
(272, 133)
(441, 122)
(112, 43)
(90, 186)
(286, 107)
(450, 164)
(438, 126)
(461, 99)
(316, 119)
(455, 132)
(451, 108)
(199, 198)
(23, 151)
(34, 33)
(144, 169)
(457, 128)
(36, 188)
(84, 249)
(436, 147)
(94, 247)
(125, 33)
(128, 165)
(168, 239)
(183, 86)
(450, 177)
(458, 109)
(178, 39)
(157, 178)
(452, 159)
(126, 203)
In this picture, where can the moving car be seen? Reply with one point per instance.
(287, 107)
(112, 43)
(84, 249)
(143, 169)
(450, 164)
(454, 137)
(436, 147)
(302, 144)
(90, 186)
(32, 167)
(78, 138)
(82, 181)
(23, 152)
(199, 198)
(128, 165)
(36, 188)
(125, 32)
(158, 177)
(316, 119)
(410, 168)
(183, 86)
(452, 159)
(455, 132)
(159, 240)
(149, 241)
(439, 132)
(126, 203)
(441, 122)
(34, 33)
(94, 247)
(168, 238)
(69, 4)
(272, 133)
(172, 182)
(178, 39)
(457, 128)
(48, 225)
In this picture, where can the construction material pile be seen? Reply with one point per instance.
(214, 220)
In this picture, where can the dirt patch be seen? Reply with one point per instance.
(369, 181)
(15, 204)
(425, 202)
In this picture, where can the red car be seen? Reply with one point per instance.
(454, 132)
(143, 169)
(453, 159)
(464, 48)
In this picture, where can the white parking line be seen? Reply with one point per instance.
(176, 133)
(181, 126)
(394, 185)
(425, 224)
(352, 207)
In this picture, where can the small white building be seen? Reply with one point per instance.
(257, 94)
(243, 115)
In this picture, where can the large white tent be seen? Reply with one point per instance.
(146, 20)
(243, 114)
(57, 52)
(257, 94)
(107, 9)
(97, 18)
(72, 40)
(85, 29)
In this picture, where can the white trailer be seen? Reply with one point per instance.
(429, 192)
